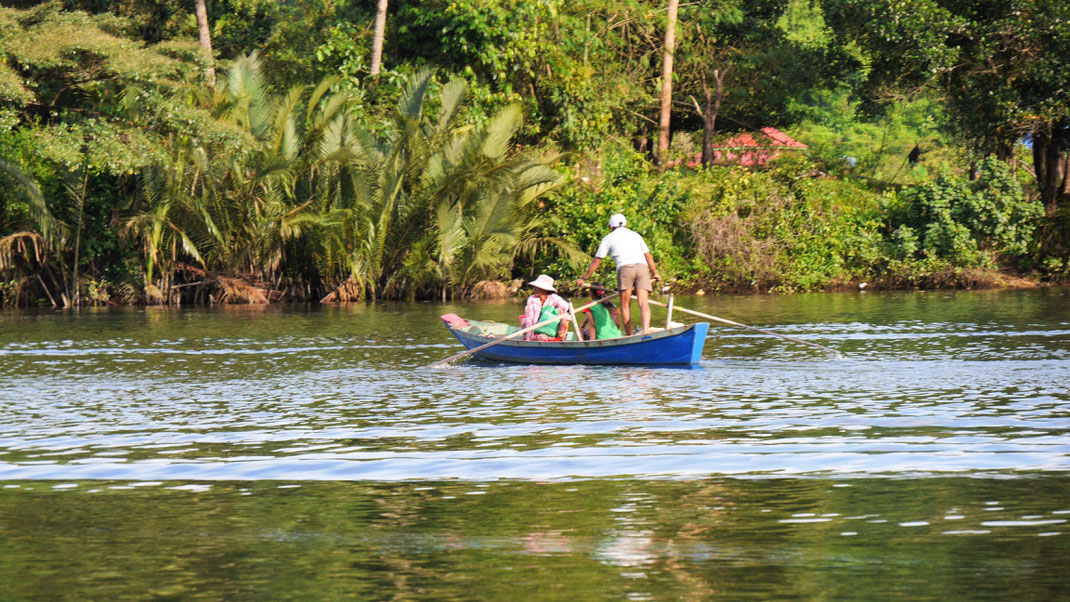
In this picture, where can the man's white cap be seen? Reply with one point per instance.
(617, 220)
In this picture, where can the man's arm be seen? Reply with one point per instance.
(594, 266)
(653, 268)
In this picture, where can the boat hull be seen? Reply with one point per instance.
(681, 346)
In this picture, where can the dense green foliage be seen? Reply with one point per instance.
(962, 224)
(503, 133)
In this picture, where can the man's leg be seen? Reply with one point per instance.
(626, 309)
(644, 308)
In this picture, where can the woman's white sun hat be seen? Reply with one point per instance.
(544, 282)
(618, 220)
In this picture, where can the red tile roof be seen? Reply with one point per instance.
(772, 137)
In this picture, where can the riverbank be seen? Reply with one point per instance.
(241, 292)
(951, 279)
(976, 279)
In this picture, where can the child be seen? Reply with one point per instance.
(601, 321)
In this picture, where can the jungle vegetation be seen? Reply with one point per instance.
(215, 151)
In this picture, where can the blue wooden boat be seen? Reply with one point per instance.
(678, 346)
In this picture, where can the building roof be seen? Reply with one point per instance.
(768, 137)
(747, 149)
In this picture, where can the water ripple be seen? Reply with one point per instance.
(305, 394)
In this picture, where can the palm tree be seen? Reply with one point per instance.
(257, 198)
(55, 234)
(51, 231)
(24, 255)
(390, 206)
(234, 210)
(435, 199)
(433, 204)
(166, 213)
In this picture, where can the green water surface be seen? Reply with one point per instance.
(302, 452)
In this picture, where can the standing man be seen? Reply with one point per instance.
(632, 257)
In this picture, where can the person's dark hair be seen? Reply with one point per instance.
(598, 291)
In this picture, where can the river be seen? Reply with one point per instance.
(288, 451)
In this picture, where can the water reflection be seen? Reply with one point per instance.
(769, 538)
(285, 452)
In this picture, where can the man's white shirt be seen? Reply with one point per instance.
(624, 246)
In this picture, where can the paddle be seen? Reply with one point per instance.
(733, 323)
(515, 334)
(673, 306)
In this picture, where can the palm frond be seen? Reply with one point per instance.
(245, 78)
(451, 235)
(284, 126)
(20, 244)
(47, 225)
(412, 97)
(451, 97)
(318, 92)
(500, 130)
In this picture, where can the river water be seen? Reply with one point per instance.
(280, 452)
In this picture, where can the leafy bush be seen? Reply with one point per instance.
(724, 227)
(781, 229)
(965, 223)
(625, 183)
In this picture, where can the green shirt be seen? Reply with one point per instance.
(604, 326)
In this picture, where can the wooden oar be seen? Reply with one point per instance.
(733, 323)
(515, 334)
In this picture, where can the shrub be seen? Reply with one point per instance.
(621, 182)
(784, 230)
(965, 223)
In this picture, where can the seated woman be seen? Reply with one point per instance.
(543, 304)
(600, 321)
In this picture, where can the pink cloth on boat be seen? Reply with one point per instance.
(455, 321)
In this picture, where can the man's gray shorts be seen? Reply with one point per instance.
(635, 276)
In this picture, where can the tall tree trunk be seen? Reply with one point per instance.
(1066, 176)
(205, 36)
(1005, 150)
(76, 295)
(1049, 164)
(666, 82)
(709, 122)
(710, 112)
(377, 38)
